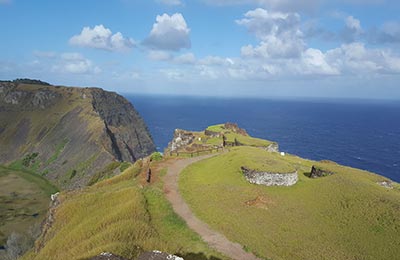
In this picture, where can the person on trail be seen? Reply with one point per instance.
(149, 175)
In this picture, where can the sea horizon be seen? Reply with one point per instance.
(347, 131)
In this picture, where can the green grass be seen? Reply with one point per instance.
(117, 215)
(261, 160)
(22, 196)
(247, 140)
(216, 128)
(58, 149)
(343, 216)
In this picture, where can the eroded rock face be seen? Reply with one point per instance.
(235, 128)
(317, 172)
(20, 99)
(270, 178)
(75, 132)
(181, 139)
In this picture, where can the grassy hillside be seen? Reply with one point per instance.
(24, 200)
(343, 216)
(122, 216)
(231, 136)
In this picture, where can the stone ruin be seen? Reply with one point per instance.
(317, 172)
(270, 178)
(181, 139)
(386, 184)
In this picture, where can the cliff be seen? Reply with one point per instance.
(68, 134)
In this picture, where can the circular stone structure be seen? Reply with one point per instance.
(270, 178)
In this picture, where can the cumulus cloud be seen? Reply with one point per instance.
(279, 33)
(355, 58)
(75, 63)
(352, 30)
(100, 37)
(169, 33)
(388, 33)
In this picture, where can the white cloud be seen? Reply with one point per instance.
(186, 58)
(356, 59)
(170, 2)
(314, 62)
(169, 33)
(102, 38)
(75, 63)
(279, 33)
(159, 55)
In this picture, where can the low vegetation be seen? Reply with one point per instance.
(24, 200)
(343, 216)
(118, 215)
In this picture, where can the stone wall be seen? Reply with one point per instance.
(181, 139)
(270, 178)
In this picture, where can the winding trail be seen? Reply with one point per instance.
(214, 239)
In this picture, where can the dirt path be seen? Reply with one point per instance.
(213, 238)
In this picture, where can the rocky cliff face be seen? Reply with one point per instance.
(68, 134)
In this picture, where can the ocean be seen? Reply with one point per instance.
(358, 133)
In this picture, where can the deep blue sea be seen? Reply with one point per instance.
(362, 134)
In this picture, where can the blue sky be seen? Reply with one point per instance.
(262, 48)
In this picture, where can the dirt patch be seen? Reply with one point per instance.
(215, 239)
(261, 202)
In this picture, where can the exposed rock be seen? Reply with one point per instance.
(386, 184)
(48, 221)
(108, 256)
(181, 139)
(274, 147)
(129, 135)
(270, 178)
(317, 172)
(235, 128)
(76, 132)
(157, 255)
(212, 133)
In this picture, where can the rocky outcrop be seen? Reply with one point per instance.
(130, 138)
(74, 132)
(48, 221)
(317, 172)
(235, 129)
(274, 147)
(181, 139)
(386, 184)
(153, 255)
(157, 255)
(270, 178)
